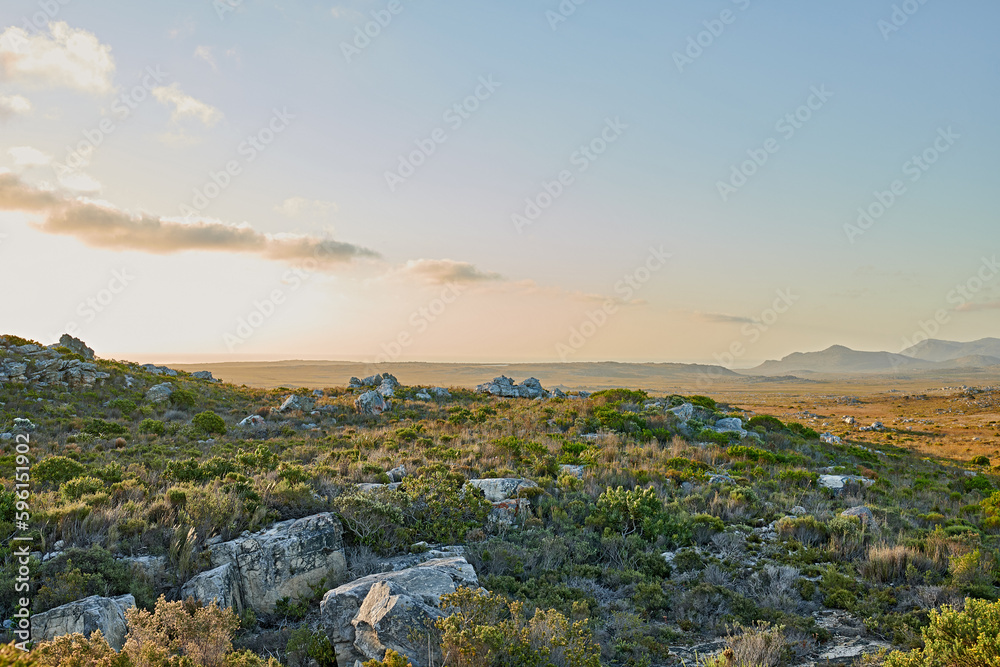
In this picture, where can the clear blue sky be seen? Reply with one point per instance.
(888, 94)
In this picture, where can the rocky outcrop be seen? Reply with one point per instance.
(204, 375)
(371, 403)
(32, 364)
(388, 386)
(505, 387)
(864, 515)
(683, 412)
(159, 370)
(731, 425)
(389, 610)
(252, 420)
(830, 438)
(502, 488)
(76, 346)
(85, 616)
(159, 392)
(255, 570)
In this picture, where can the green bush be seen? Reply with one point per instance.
(766, 422)
(123, 405)
(209, 423)
(57, 469)
(970, 638)
(980, 460)
(152, 426)
(104, 429)
(78, 487)
(183, 399)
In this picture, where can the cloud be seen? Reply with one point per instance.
(441, 271)
(80, 182)
(345, 13)
(723, 318)
(28, 156)
(205, 53)
(100, 225)
(185, 105)
(295, 207)
(969, 307)
(62, 58)
(14, 105)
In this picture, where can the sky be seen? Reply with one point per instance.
(386, 180)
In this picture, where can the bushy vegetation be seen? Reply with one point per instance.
(671, 533)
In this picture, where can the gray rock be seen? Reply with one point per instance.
(720, 479)
(439, 392)
(392, 486)
(798, 510)
(389, 618)
(501, 488)
(875, 426)
(684, 412)
(159, 392)
(372, 381)
(204, 375)
(85, 616)
(863, 513)
(388, 386)
(354, 383)
(574, 470)
(423, 584)
(505, 387)
(295, 402)
(837, 482)
(159, 370)
(252, 420)
(731, 425)
(397, 474)
(830, 438)
(423, 396)
(281, 561)
(76, 346)
(510, 512)
(371, 403)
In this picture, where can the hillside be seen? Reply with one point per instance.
(839, 359)
(946, 350)
(631, 528)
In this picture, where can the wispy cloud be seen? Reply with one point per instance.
(100, 225)
(28, 156)
(205, 53)
(63, 57)
(186, 106)
(723, 318)
(296, 207)
(441, 271)
(14, 105)
(982, 305)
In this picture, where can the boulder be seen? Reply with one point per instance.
(837, 482)
(388, 386)
(354, 383)
(372, 381)
(365, 486)
(296, 402)
(397, 474)
(863, 513)
(204, 375)
(501, 488)
(731, 425)
(720, 479)
(76, 346)
(439, 392)
(570, 469)
(85, 616)
(830, 438)
(281, 561)
(684, 412)
(509, 512)
(505, 387)
(875, 426)
(221, 584)
(423, 396)
(798, 510)
(343, 611)
(252, 420)
(159, 370)
(159, 392)
(371, 403)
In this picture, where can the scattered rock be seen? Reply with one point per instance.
(574, 470)
(875, 426)
(720, 479)
(159, 392)
(423, 396)
(76, 346)
(850, 421)
(502, 488)
(85, 616)
(731, 425)
(354, 383)
(397, 474)
(388, 386)
(362, 624)
(798, 510)
(830, 438)
(505, 387)
(204, 375)
(392, 486)
(371, 403)
(159, 370)
(439, 392)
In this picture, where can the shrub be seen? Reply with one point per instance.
(104, 429)
(123, 405)
(757, 645)
(751, 453)
(152, 426)
(391, 659)
(78, 487)
(888, 565)
(183, 399)
(373, 517)
(631, 511)
(766, 422)
(970, 637)
(805, 529)
(978, 483)
(486, 630)
(57, 469)
(208, 422)
(980, 460)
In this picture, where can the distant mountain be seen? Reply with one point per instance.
(970, 361)
(840, 359)
(947, 350)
